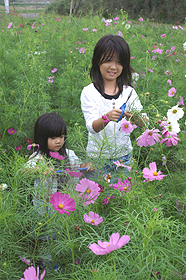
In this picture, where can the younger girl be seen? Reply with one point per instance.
(100, 102)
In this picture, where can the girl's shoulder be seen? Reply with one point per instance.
(34, 158)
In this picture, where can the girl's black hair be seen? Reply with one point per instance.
(105, 48)
(49, 125)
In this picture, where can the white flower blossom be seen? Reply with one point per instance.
(135, 76)
(127, 26)
(175, 113)
(3, 187)
(184, 46)
(109, 20)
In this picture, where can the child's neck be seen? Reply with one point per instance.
(111, 88)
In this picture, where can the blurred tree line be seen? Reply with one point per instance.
(166, 11)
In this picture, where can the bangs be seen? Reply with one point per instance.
(112, 50)
(56, 128)
(107, 55)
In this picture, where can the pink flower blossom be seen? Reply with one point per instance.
(154, 47)
(56, 155)
(163, 35)
(168, 73)
(32, 145)
(116, 18)
(94, 30)
(62, 203)
(82, 50)
(141, 19)
(50, 79)
(150, 70)
(132, 57)
(148, 51)
(155, 209)
(20, 32)
(54, 70)
(107, 199)
(92, 218)
(180, 27)
(154, 57)
(26, 261)
(30, 274)
(148, 138)
(171, 92)
(10, 25)
(127, 126)
(122, 187)
(173, 48)
(78, 42)
(85, 29)
(169, 82)
(120, 33)
(73, 173)
(152, 174)
(105, 118)
(121, 164)
(181, 102)
(164, 160)
(89, 191)
(160, 51)
(11, 131)
(18, 148)
(175, 27)
(172, 139)
(104, 248)
(28, 141)
(58, 19)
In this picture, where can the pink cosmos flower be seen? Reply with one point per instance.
(164, 160)
(154, 47)
(26, 261)
(107, 199)
(73, 173)
(18, 148)
(28, 141)
(104, 248)
(172, 139)
(171, 92)
(121, 164)
(152, 174)
(180, 27)
(175, 27)
(154, 57)
(56, 155)
(148, 138)
(30, 274)
(168, 73)
(173, 48)
(11, 131)
(20, 32)
(141, 19)
(105, 118)
(89, 191)
(160, 51)
(92, 218)
(122, 187)
(132, 57)
(120, 33)
(78, 42)
(150, 70)
(94, 30)
(82, 50)
(155, 209)
(163, 35)
(85, 29)
(10, 25)
(50, 79)
(181, 102)
(62, 202)
(54, 70)
(32, 145)
(58, 19)
(127, 126)
(116, 18)
(169, 82)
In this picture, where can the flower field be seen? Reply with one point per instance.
(133, 228)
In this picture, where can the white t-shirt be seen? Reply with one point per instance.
(111, 142)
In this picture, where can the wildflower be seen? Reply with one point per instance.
(122, 187)
(132, 57)
(164, 160)
(121, 164)
(82, 50)
(127, 26)
(105, 118)
(114, 243)
(150, 70)
(170, 126)
(28, 141)
(10, 25)
(168, 73)
(107, 199)
(78, 42)
(152, 174)
(92, 218)
(127, 126)
(20, 32)
(116, 18)
(58, 19)
(180, 27)
(107, 177)
(18, 148)
(30, 274)
(175, 27)
(160, 51)
(94, 30)
(50, 79)
(109, 20)
(3, 187)
(169, 82)
(73, 173)
(11, 131)
(54, 70)
(163, 35)
(148, 138)
(141, 19)
(154, 57)
(101, 188)
(32, 145)
(85, 29)
(135, 76)
(120, 33)
(175, 113)
(173, 48)
(172, 139)
(154, 47)
(180, 102)
(56, 155)
(171, 92)
(89, 191)
(77, 261)
(62, 202)
(184, 46)
(26, 261)
(155, 209)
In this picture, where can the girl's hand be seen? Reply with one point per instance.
(88, 165)
(114, 114)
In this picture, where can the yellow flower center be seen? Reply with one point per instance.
(88, 191)
(150, 133)
(155, 173)
(93, 221)
(33, 145)
(125, 188)
(126, 125)
(174, 111)
(60, 206)
(108, 245)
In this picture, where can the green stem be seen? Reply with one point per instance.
(115, 278)
(71, 246)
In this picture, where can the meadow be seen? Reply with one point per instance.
(44, 65)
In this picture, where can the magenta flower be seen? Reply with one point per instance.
(62, 202)
(160, 51)
(122, 187)
(10, 25)
(172, 139)
(155, 209)
(73, 173)
(105, 118)
(163, 35)
(20, 32)
(56, 155)
(114, 243)
(30, 274)
(50, 79)
(127, 127)
(150, 70)
(107, 199)
(148, 138)
(18, 148)
(53, 70)
(82, 50)
(152, 174)
(78, 42)
(26, 261)
(58, 19)
(32, 145)
(168, 73)
(11, 131)
(85, 29)
(94, 30)
(92, 218)
(116, 18)
(28, 141)
(169, 82)
(171, 92)
(132, 57)
(181, 102)
(121, 164)
(141, 19)
(89, 191)
(173, 48)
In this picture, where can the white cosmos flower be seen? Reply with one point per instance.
(175, 113)
(184, 46)
(135, 76)
(127, 26)
(3, 187)
(172, 126)
(109, 20)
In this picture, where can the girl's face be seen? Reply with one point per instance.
(111, 68)
(55, 143)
